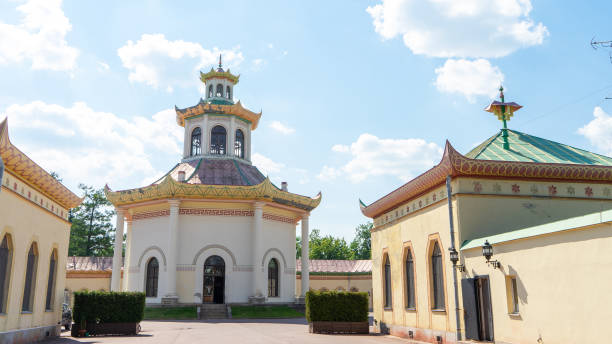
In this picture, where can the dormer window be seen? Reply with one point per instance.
(196, 142)
(210, 91)
(228, 92)
(239, 144)
(219, 90)
(218, 138)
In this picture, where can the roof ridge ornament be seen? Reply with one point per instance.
(504, 111)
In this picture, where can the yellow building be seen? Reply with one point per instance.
(542, 213)
(34, 236)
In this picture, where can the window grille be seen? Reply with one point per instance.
(437, 278)
(152, 278)
(273, 278)
(410, 295)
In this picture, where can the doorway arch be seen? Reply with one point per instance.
(214, 280)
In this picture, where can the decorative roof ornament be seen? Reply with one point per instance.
(220, 69)
(504, 111)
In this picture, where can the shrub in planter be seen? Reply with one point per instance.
(337, 312)
(101, 309)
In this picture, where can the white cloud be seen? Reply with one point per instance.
(328, 173)
(103, 66)
(599, 131)
(266, 165)
(281, 128)
(375, 157)
(84, 145)
(470, 78)
(155, 61)
(340, 148)
(40, 37)
(450, 28)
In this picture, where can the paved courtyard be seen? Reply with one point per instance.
(229, 331)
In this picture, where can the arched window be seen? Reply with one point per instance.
(219, 90)
(437, 278)
(30, 279)
(51, 281)
(196, 142)
(354, 289)
(387, 282)
(273, 278)
(410, 298)
(152, 277)
(339, 288)
(239, 144)
(228, 92)
(6, 257)
(218, 137)
(210, 91)
(323, 289)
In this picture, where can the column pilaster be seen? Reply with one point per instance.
(173, 223)
(257, 242)
(305, 263)
(128, 248)
(117, 252)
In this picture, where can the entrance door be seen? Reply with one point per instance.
(478, 314)
(214, 280)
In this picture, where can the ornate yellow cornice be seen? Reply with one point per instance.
(170, 188)
(208, 108)
(217, 74)
(20, 165)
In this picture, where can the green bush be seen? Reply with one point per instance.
(336, 306)
(108, 307)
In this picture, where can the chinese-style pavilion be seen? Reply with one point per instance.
(213, 229)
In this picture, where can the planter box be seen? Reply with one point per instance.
(107, 328)
(330, 327)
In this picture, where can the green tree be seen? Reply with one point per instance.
(327, 247)
(361, 246)
(91, 233)
(298, 247)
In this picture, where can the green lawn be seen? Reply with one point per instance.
(170, 313)
(261, 312)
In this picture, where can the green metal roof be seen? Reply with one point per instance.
(552, 227)
(528, 148)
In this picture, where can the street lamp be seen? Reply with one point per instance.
(454, 257)
(487, 252)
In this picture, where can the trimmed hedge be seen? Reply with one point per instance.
(336, 306)
(108, 307)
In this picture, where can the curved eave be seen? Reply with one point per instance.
(202, 108)
(455, 164)
(19, 164)
(224, 75)
(169, 188)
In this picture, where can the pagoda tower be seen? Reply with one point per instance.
(213, 229)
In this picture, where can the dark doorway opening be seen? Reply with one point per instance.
(214, 280)
(478, 314)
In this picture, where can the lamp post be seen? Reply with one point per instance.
(454, 257)
(487, 252)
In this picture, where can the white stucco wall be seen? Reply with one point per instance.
(200, 237)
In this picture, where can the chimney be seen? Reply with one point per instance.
(181, 176)
(284, 186)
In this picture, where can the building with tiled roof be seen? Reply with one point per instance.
(94, 273)
(34, 238)
(213, 229)
(486, 246)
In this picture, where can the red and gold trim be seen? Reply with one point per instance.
(456, 165)
(24, 168)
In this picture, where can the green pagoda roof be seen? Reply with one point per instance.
(528, 148)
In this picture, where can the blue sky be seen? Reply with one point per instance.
(358, 97)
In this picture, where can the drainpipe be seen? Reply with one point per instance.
(452, 236)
